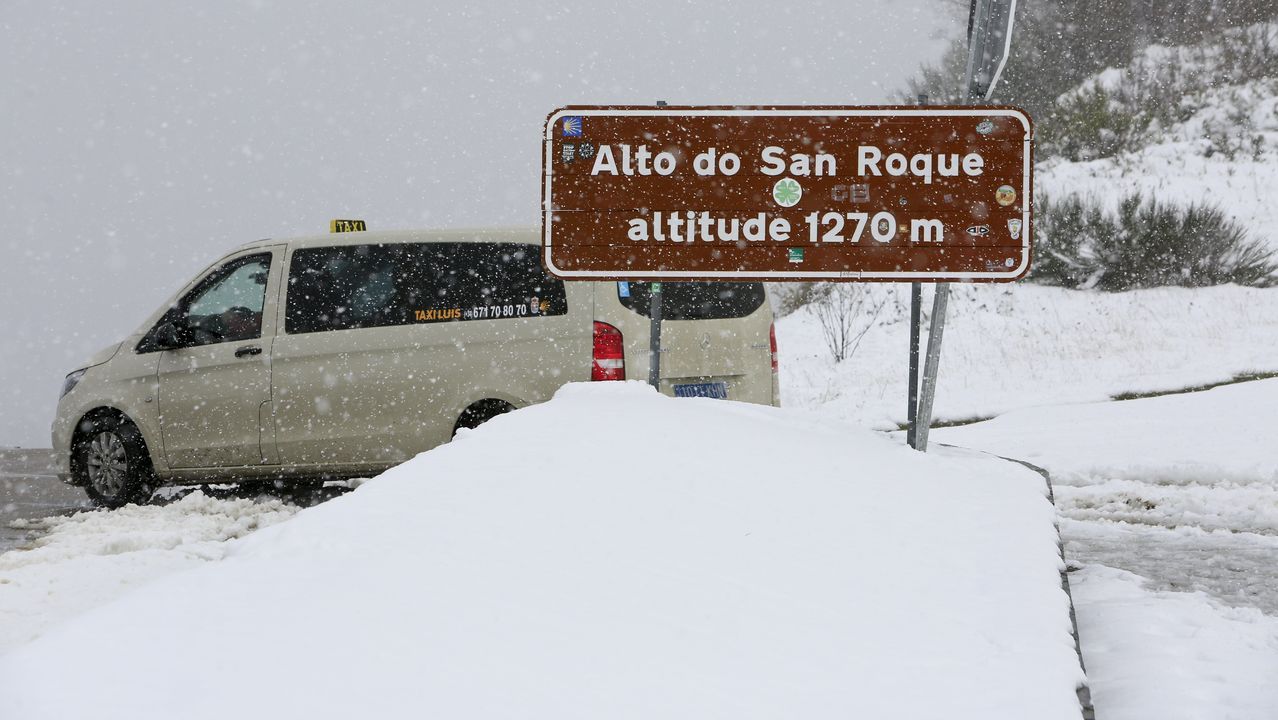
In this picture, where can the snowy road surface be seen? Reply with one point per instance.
(29, 491)
(1180, 489)
(1171, 504)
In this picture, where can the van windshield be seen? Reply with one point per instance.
(695, 300)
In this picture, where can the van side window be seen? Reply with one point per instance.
(338, 288)
(227, 305)
(489, 281)
(357, 286)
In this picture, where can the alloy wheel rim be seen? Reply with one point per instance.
(108, 463)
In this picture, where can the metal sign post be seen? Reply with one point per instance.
(654, 335)
(931, 365)
(654, 325)
(989, 39)
(916, 311)
(911, 415)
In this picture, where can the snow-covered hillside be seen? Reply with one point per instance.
(1221, 149)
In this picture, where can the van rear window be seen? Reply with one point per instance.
(695, 300)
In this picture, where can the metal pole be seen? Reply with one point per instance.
(978, 18)
(977, 52)
(654, 326)
(654, 334)
(931, 365)
(916, 303)
(916, 307)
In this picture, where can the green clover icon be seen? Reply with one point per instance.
(787, 192)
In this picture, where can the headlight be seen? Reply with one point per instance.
(70, 382)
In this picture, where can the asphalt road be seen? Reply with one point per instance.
(29, 490)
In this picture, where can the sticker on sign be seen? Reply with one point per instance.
(786, 193)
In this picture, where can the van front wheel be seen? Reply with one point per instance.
(111, 462)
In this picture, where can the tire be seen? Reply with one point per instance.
(480, 413)
(110, 460)
(304, 493)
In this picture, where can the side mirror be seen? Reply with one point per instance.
(171, 334)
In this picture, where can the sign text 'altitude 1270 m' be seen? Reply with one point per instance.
(832, 193)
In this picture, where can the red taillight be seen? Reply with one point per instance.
(772, 342)
(610, 354)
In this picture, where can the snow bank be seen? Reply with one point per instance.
(1223, 437)
(1173, 656)
(90, 558)
(609, 554)
(1018, 346)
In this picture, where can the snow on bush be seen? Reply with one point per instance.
(1145, 243)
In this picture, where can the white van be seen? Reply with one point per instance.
(341, 355)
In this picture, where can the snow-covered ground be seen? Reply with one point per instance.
(1178, 492)
(1182, 489)
(1223, 437)
(611, 553)
(1017, 346)
(1173, 655)
(1181, 492)
(90, 558)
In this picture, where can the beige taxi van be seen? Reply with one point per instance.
(340, 355)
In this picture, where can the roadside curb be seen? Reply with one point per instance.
(1084, 692)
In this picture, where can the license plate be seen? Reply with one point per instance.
(716, 390)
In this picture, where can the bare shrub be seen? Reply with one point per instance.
(846, 313)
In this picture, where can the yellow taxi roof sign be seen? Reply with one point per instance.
(338, 226)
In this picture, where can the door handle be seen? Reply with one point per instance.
(248, 350)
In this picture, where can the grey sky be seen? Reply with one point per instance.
(141, 140)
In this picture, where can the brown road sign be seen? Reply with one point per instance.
(787, 193)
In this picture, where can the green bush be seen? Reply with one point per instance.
(1146, 243)
(1091, 124)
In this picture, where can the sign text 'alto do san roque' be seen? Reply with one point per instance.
(830, 193)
